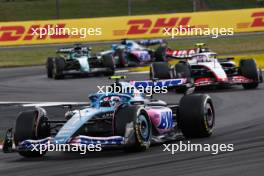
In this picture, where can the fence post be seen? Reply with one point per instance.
(129, 7)
(194, 6)
(58, 9)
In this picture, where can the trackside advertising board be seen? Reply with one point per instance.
(114, 28)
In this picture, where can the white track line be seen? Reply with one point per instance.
(134, 73)
(30, 104)
(122, 71)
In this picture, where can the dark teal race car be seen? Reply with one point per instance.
(79, 60)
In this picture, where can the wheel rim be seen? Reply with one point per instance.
(209, 115)
(143, 127)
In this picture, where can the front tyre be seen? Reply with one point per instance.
(160, 70)
(196, 116)
(31, 125)
(123, 61)
(58, 68)
(133, 123)
(248, 69)
(108, 62)
(49, 67)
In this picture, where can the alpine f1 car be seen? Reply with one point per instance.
(136, 53)
(124, 119)
(205, 69)
(78, 60)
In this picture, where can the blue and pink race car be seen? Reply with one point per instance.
(125, 118)
(131, 53)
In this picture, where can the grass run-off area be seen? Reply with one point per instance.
(222, 46)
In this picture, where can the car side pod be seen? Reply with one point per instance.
(8, 142)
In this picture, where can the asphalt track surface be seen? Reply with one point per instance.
(239, 121)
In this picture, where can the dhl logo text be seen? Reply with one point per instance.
(143, 26)
(19, 32)
(257, 21)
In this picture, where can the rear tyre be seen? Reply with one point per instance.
(248, 69)
(160, 70)
(58, 67)
(134, 119)
(196, 116)
(160, 54)
(49, 66)
(29, 125)
(108, 62)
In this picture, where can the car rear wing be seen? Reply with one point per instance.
(180, 54)
(168, 83)
(150, 42)
(227, 59)
(159, 83)
(155, 82)
(177, 83)
(71, 49)
(187, 53)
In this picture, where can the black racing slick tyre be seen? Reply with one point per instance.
(133, 123)
(58, 67)
(160, 54)
(30, 125)
(123, 62)
(260, 75)
(196, 116)
(49, 67)
(248, 69)
(182, 70)
(108, 62)
(160, 70)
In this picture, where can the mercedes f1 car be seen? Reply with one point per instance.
(136, 53)
(78, 60)
(205, 69)
(124, 119)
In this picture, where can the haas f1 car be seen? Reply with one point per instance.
(78, 60)
(125, 119)
(131, 53)
(205, 69)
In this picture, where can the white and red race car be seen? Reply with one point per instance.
(205, 69)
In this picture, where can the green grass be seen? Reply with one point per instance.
(46, 9)
(30, 57)
(38, 55)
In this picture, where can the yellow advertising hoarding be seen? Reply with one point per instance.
(114, 28)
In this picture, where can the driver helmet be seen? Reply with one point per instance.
(78, 50)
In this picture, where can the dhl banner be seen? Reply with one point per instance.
(114, 28)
